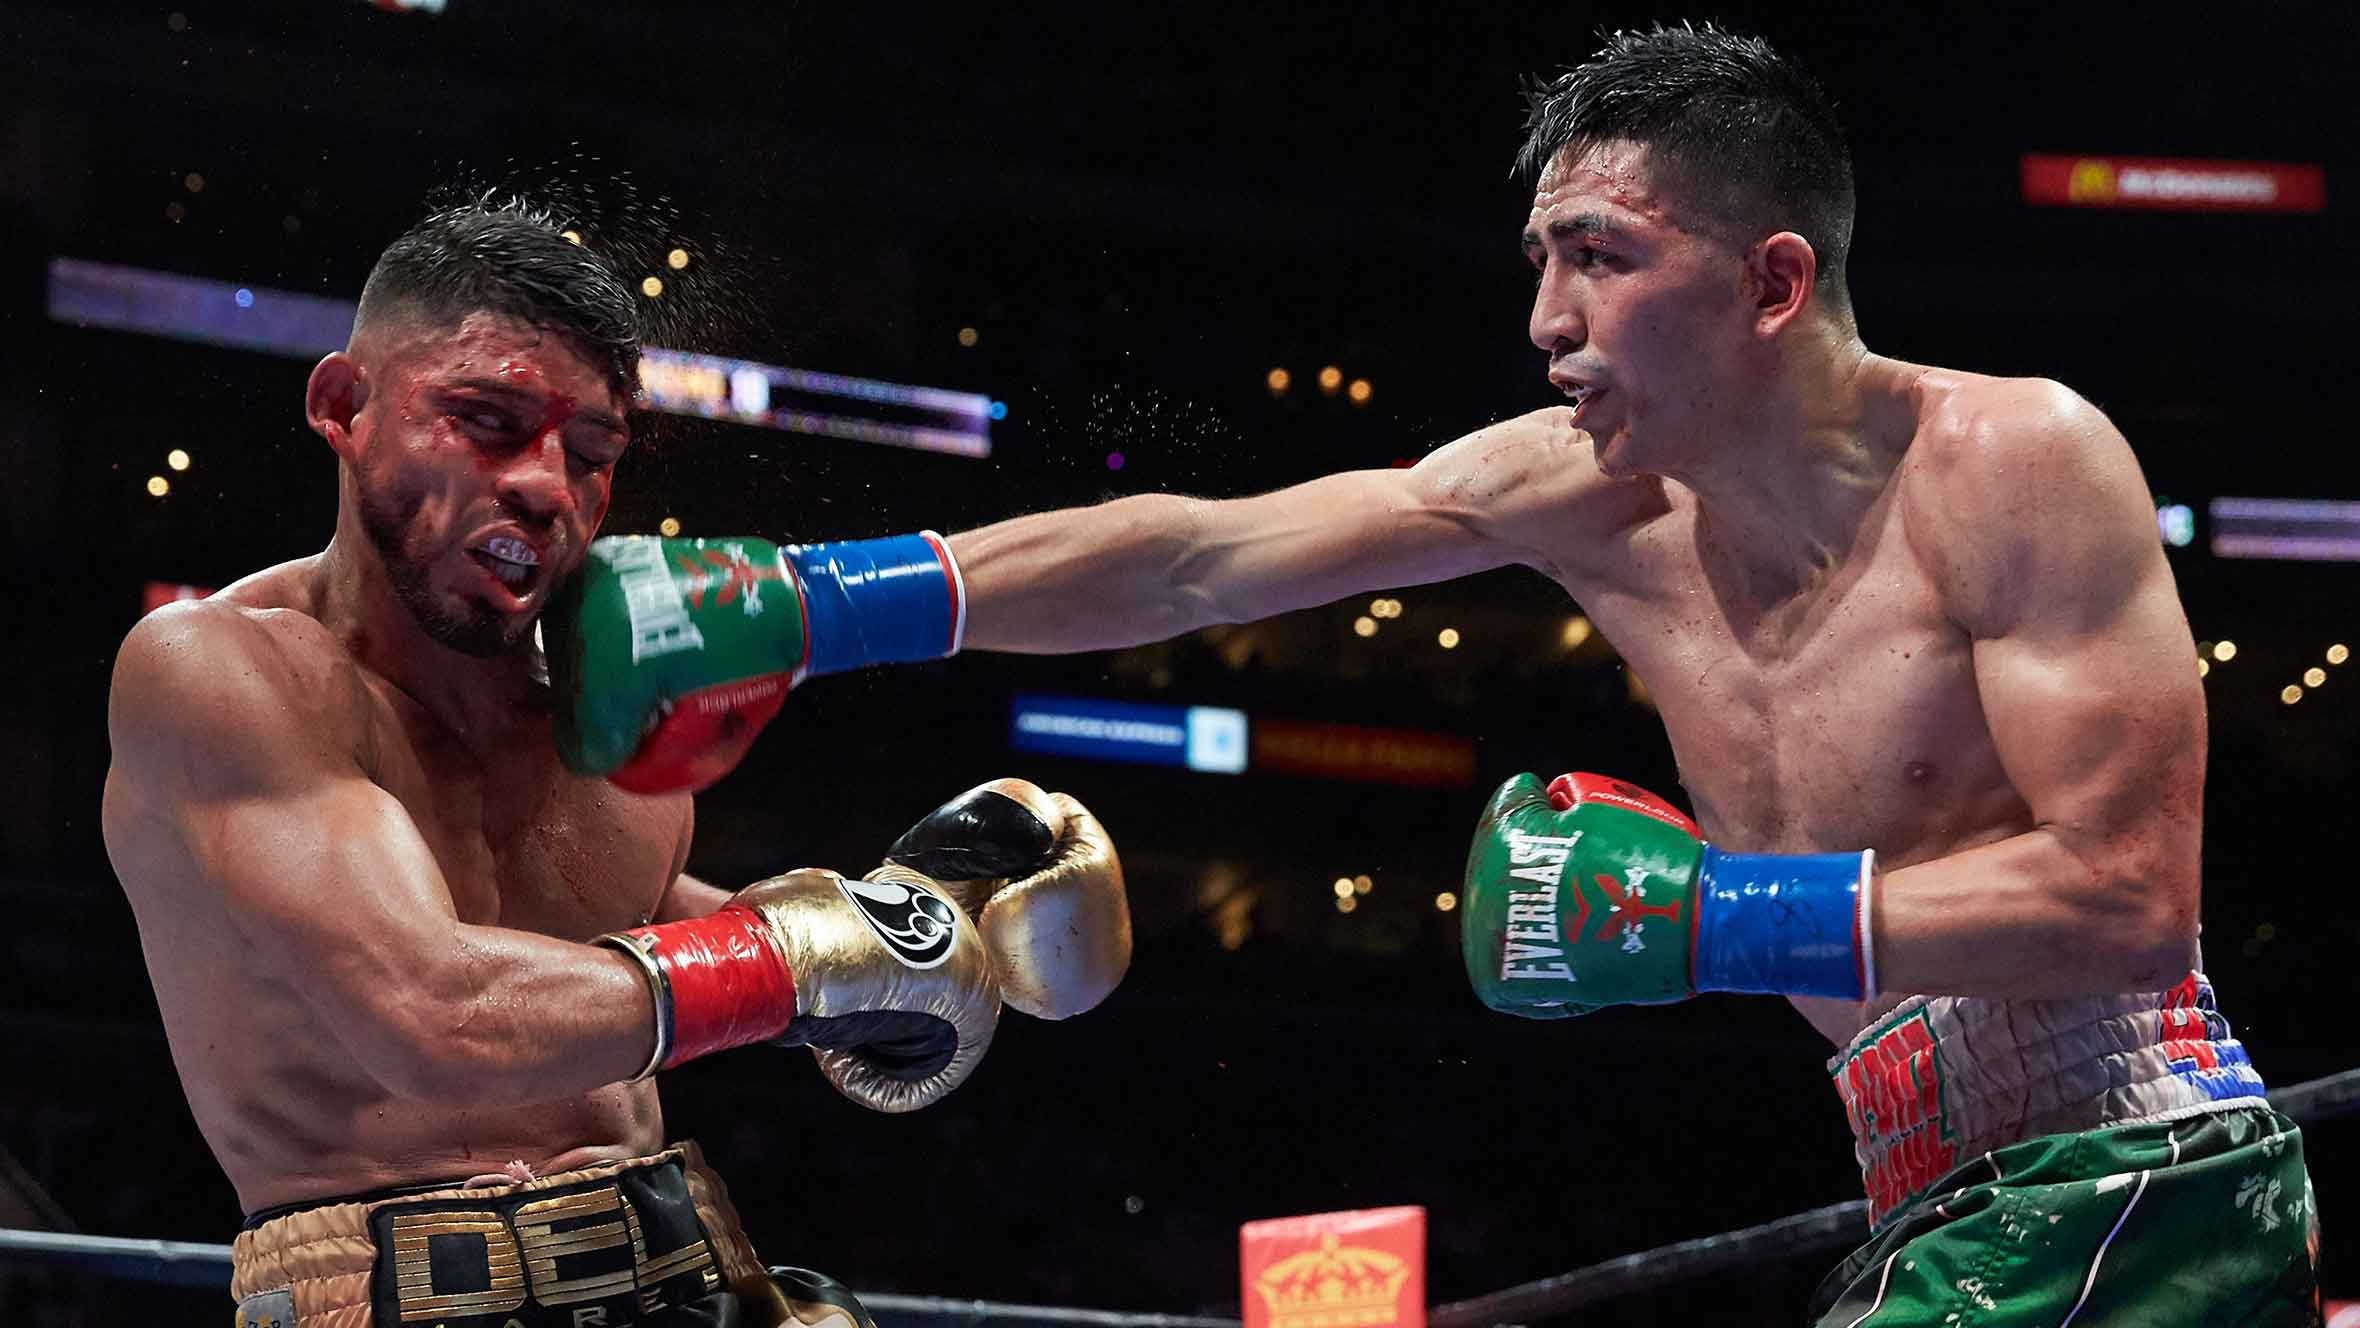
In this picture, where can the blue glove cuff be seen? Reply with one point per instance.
(1785, 924)
(880, 601)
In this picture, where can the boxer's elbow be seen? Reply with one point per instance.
(1197, 582)
(2141, 918)
(439, 1042)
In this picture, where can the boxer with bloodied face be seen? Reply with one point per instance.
(417, 974)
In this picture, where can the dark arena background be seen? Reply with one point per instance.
(1117, 249)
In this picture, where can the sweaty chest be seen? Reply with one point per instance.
(522, 843)
(1846, 717)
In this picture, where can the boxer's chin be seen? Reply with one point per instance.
(468, 626)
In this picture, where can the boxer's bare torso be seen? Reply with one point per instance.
(1853, 698)
(1842, 713)
(291, 1112)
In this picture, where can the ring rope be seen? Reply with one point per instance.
(1816, 1231)
(1820, 1231)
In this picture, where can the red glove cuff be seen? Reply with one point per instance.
(721, 981)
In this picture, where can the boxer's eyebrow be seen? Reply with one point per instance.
(590, 415)
(1581, 223)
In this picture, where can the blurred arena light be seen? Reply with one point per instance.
(1360, 391)
(1364, 626)
(1447, 638)
(677, 259)
(158, 486)
(1279, 380)
(2290, 694)
(279, 322)
(2177, 523)
(1445, 902)
(2314, 676)
(668, 527)
(2338, 653)
(1577, 630)
(2224, 651)
(1330, 378)
(176, 459)
(652, 287)
(2304, 529)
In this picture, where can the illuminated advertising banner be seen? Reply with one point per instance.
(772, 396)
(2295, 529)
(1207, 738)
(1363, 755)
(1218, 740)
(2173, 184)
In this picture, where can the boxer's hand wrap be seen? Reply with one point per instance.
(667, 656)
(884, 978)
(1593, 892)
(1040, 877)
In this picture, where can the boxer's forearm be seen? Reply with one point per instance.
(1154, 566)
(2033, 916)
(511, 1017)
(1093, 578)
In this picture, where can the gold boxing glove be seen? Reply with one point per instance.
(1040, 877)
(884, 978)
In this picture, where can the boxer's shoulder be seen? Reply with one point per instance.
(1533, 482)
(231, 678)
(2009, 478)
(1992, 446)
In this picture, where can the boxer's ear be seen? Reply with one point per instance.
(1781, 273)
(333, 399)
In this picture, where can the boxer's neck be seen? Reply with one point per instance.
(1783, 493)
(482, 701)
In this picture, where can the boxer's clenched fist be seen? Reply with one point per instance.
(884, 978)
(1594, 892)
(667, 656)
(1041, 879)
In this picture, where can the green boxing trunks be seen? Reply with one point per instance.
(2204, 1220)
(2091, 1161)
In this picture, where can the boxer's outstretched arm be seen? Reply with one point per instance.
(2040, 529)
(235, 787)
(1153, 566)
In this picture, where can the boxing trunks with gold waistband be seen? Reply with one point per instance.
(651, 1242)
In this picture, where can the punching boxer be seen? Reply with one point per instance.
(1881, 607)
(417, 975)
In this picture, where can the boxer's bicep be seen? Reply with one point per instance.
(232, 790)
(2043, 542)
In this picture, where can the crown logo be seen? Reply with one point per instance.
(1334, 1286)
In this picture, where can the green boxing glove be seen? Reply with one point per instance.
(1592, 892)
(667, 656)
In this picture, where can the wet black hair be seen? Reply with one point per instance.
(1728, 122)
(509, 255)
